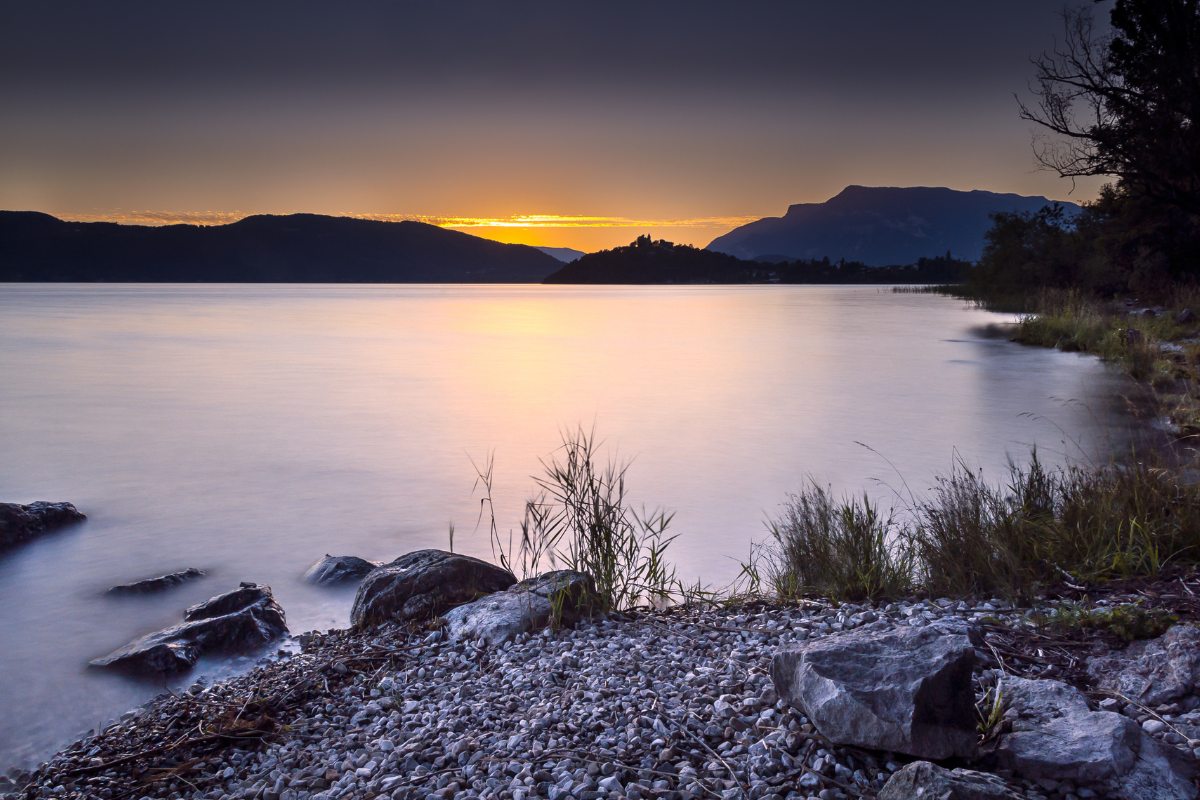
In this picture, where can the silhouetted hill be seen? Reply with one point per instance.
(879, 226)
(646, 261)
(564, 254)
(299, 248)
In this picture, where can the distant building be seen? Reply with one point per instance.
(646, 243)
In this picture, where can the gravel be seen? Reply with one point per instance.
(674, 705)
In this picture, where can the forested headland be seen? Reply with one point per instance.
(648, 261)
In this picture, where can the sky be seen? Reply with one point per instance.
(579, 124)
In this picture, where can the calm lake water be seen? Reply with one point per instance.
(250, 430)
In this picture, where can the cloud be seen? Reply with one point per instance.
(519, 221)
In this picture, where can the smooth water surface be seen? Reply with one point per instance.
(250, 430)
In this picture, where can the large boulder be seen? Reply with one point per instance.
(905, 689)
(561, 597)
(1152, 672)
(921, 780)
(335, 570)
(1054, 735)
(237, 621)
(158, 584)
(19, 524)
(424, 584)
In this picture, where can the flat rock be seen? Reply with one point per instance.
(237, 621)
(1054, 735)
(19, 524)
(559, 598)
(924, 781)
(423, 584)
(335, 570)
(906, 689)
(150, 585)
(1152, 672)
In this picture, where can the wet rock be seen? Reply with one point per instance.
(334, 570)
(150, 585)
(926, 781)
(237, 621)
(1055, 736)
(1153, 672)
(19, 524)
(423, 584)
(907, 689)
(562, 597)
(1185, 316)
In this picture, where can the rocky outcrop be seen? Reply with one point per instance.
(1054, 735)
(921, 780)
(423, 584)
(336, 570)
(19, 524)
(151, 585)
(907, 689)
(1152, 672)
(237, 621)
(562, 597)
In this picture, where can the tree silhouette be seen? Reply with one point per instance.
(1125, 103)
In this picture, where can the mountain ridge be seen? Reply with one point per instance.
(880, 225)
(264, 248)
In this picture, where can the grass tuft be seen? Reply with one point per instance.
(841, 548)
(1079, 523)
(581, 517)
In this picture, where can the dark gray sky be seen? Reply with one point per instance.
(699, 113)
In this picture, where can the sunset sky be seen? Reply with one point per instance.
(680, 119)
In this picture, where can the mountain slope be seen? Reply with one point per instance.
(879, 225)
(300, 248)
(564, 254)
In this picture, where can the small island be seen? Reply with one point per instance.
(656, 261)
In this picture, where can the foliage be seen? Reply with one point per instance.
(968, 537)
(1127, 621)
(585, 505)
(1125, 103)
(581, 518)
(840, 548)
(645, 262)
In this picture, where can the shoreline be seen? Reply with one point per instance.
(647, 705)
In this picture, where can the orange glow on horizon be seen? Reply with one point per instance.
(587, 233)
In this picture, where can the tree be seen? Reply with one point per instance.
(1125, 103)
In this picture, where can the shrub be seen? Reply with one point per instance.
(842, 548)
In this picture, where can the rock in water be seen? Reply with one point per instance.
(157, 584)
(237, 621)
(423, 584)
(1153, 672)
(19, 524)
(921, 780)
(562, 597)
(1054, 735)
(332, 570)
(907, 689)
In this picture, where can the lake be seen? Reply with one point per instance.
(250, 430)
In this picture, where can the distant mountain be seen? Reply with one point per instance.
(564, 254)
(878, 226)
(299, 248)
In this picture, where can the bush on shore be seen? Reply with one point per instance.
(1077, 523)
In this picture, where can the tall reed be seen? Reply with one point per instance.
(581, 518)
